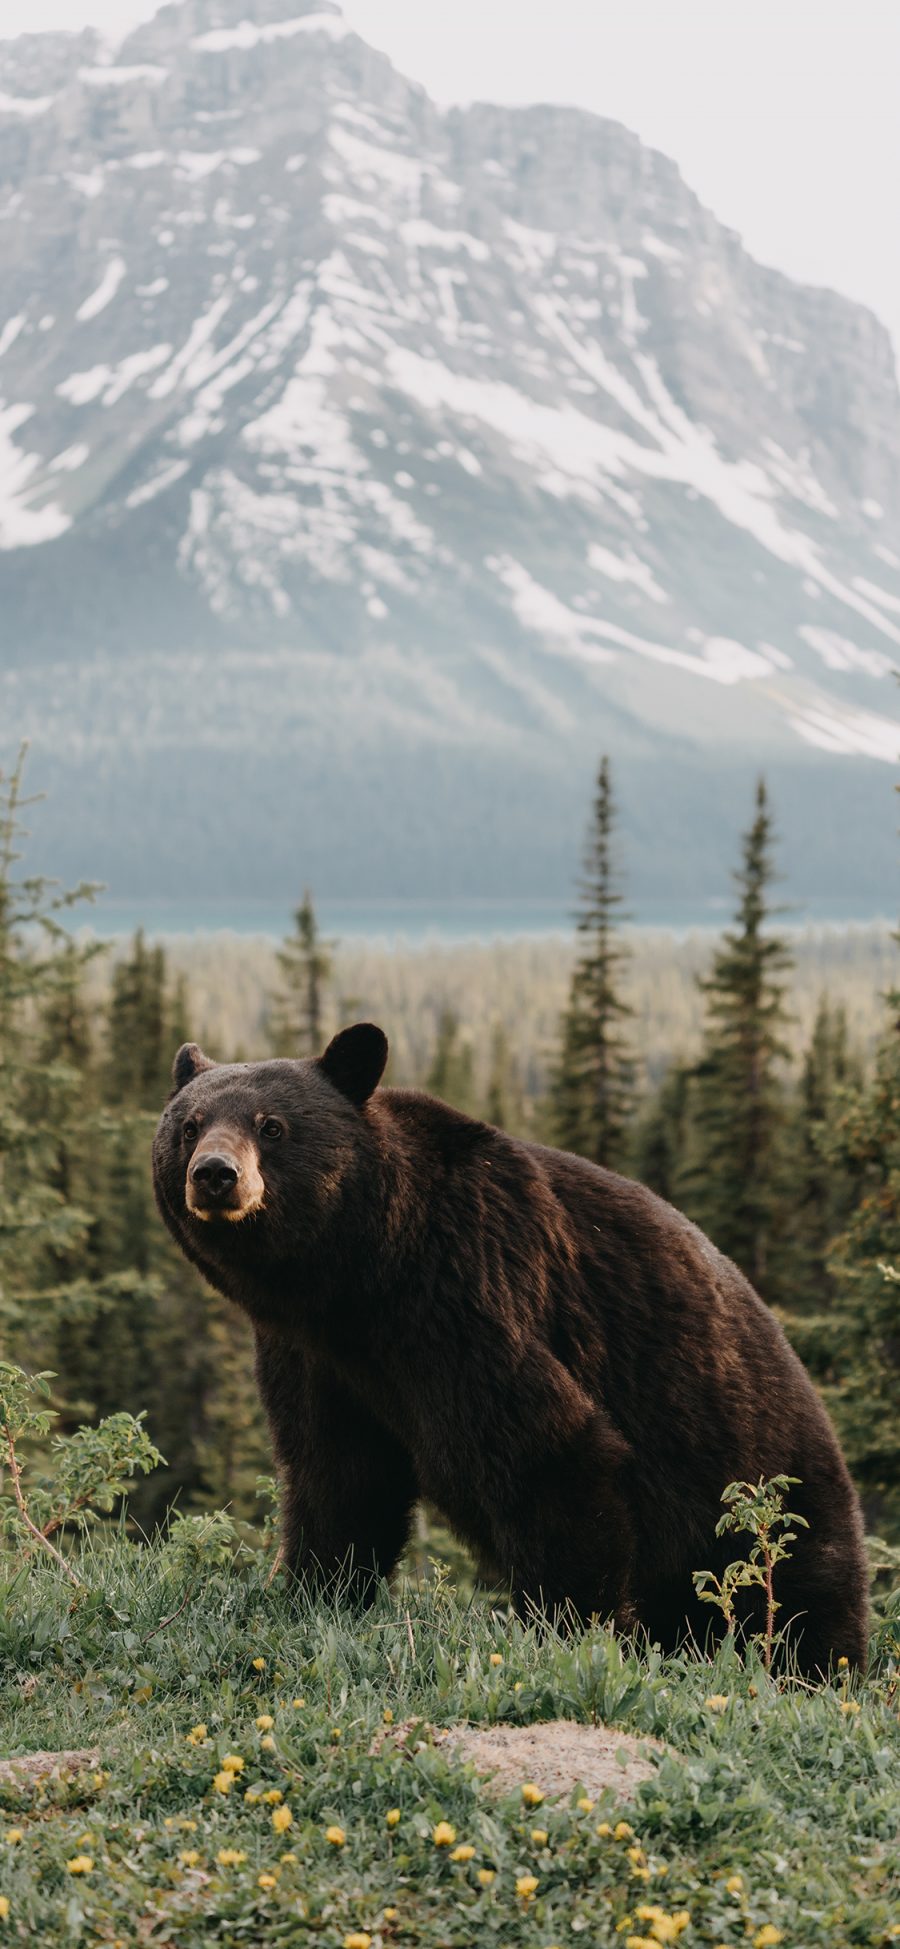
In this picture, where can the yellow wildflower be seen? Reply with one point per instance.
(335, 1836)
(849, 1705)
(223, 1782)
(85, 1841)
(843, 1664)
(267, 1743)
(622, 1831)
(584, 1805)
(357, 1940)
(287, 1859)
(189, 1857)
(80, 1864)
(298, 1704)
(639, 1942)
(392, 1817)
(230, 1857)
(282, 1819)
(767, 1936)
(603, 1831)
(233, 1763)
(196, 1734)
(540, 1836)
(443, 1835)
(391, 1914)
(267, 1881)
(273, 1797)
(265, 1722)
(531, 1794)
(335, 1735)
(13, 1835)
(496, 1657)
(253, 1796)
(518, 1685)
(718, 1702)
(486, 1876)
(388, 1716)
(463, 1853)
(735, 1884)
(4, 1908)
(259, 1664)
(526, 1886)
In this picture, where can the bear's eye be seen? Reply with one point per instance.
(189, 1131)
(272, 1128)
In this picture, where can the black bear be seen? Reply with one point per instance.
(551, 1355)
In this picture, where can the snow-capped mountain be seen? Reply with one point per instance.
(366, 470)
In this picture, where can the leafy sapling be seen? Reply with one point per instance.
(757, 1510)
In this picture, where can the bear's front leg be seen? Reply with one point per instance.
(348, 1487)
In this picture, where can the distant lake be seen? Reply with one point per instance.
(415, 922)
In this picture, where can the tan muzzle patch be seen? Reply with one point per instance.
(223, 1178)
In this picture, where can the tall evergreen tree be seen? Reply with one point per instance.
(661, 1134)
(306, 964)
(451, 1073)
(822, 1187)
(592, 1092)
(734, 1181)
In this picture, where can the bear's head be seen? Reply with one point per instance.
(251, 1159)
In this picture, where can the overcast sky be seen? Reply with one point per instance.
(782, 114)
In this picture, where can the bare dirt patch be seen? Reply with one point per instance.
(26, 1768)
(557, 1756)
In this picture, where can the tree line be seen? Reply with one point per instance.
(795, 1175)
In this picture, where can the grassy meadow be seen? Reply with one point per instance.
(260, 1770)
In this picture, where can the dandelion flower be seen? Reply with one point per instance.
(718, 1702)
(298, 1704)
(357, 1940)
(273, 1797)
(526, 1886)
(635, 1855)
(287, 1859)
(735, 1884)
(13, 1836)
(223, 1782)
(843, 1664)
(540, 1836)
(486, 1876)
(391, 1914)
(335, 1735)
(388, 1716)
(622, 1831)
(849, 1705)
(267, 1743)
(230, 1857)
(463, 1853)
(253, 1796)
(266, 1881)
(392, 1817)
(189, 1857)
(584, 1805)
(233, 1763)
(531, 1794)
(603, 1831)
(767, 1936)
(259, 1664)
(496, 1657)
(265, 1722)
(443, 1835)
(4, 1907)
(282, 1819)
(80, 1864)
(196, 1734)
(335, 1836)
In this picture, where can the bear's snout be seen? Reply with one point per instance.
(223, 1178)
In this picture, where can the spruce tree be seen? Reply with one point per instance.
(734, 1181)
(306, 963)
(592, 1092)
(451, 1073)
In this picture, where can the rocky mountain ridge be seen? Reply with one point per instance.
(369, 469)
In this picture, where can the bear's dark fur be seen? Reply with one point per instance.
(547, 1352)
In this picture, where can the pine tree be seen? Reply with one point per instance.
(504, 1102)
(821, 1187)
(661, 1135)
(451, 1073)
(306, 963)
(734, 1181)
(592, 1092)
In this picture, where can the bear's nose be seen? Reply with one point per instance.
(214, 1175)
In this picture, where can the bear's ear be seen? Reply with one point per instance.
(188, 1063)
(354, 1061)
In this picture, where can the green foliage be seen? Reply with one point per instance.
(733, 1178)
(296, 1011)
(757, 1510)
(592, 1094)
